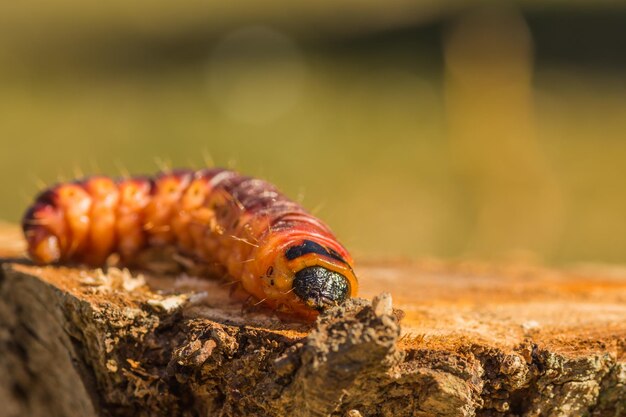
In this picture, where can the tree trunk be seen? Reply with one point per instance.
(472, 339)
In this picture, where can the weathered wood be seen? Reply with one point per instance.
(475, 339)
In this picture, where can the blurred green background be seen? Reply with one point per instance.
(416, 129)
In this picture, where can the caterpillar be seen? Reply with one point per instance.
(278, 253)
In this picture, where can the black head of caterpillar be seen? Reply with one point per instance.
(317, 286)
(320, 288)
(317, 276)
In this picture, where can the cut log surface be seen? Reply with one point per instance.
(462, 339)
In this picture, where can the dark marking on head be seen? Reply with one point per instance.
(269, 271)
(308, 246)
(335, 255)
(320, 288)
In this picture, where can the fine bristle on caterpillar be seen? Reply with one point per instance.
(277, 252)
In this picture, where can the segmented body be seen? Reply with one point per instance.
(279, 253)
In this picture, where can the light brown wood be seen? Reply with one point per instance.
(474, 339)
(571, 310)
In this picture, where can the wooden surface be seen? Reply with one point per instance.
(570, 310)
(474, 339)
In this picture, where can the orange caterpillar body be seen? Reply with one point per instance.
(278, 252)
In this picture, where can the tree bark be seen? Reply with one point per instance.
(473, 339)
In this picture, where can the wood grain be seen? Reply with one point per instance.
(473, 339)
